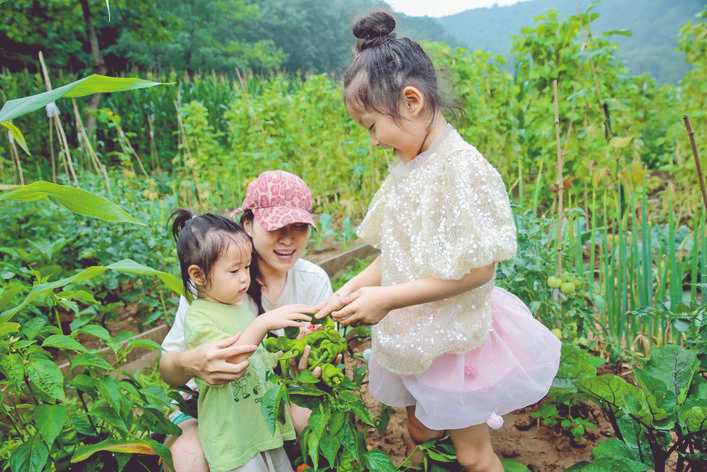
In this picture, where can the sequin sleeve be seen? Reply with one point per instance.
(370, 228)
(470, 223)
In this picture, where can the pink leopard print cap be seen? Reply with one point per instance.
(277, 199)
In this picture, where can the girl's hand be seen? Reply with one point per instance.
(335, 302)
(286, 316)
(367, 305)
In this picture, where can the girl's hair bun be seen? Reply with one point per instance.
(374, 29)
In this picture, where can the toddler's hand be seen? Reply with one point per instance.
(287, 316)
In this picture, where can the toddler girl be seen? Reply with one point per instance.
(215, 256)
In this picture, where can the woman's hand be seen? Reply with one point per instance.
(210, 361)
(286, 316)
(367, 305)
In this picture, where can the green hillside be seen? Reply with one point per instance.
(651, 48)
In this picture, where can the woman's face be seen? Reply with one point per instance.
(278, 249)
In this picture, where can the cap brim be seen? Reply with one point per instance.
(278, 217)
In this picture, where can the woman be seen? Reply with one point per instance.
(276, 214)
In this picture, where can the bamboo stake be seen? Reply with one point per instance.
(128, 148)
(16, 158)
(51, 148)
(83, 138)
(57, 124)
(559, 178)
(153, 146)
(696, 155)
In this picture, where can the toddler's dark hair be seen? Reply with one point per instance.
(384, 65)
(201, 239)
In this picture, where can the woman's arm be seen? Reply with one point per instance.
(208, 362)
(369, 305)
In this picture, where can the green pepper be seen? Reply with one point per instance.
(332, 375)
(297, 347)
(281, 344)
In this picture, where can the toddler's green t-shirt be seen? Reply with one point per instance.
(232, 428)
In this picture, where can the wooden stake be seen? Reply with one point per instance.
(559, 179)
(59, 128)
(16, 158)
(51, 148)
(153, 146)
(696, 155)
(83, 138)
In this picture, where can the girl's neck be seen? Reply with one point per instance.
(434, 131)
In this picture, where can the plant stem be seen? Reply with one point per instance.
(696, 155)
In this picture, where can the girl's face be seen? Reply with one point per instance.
(278, 249)
(230, 275)
(406, 136)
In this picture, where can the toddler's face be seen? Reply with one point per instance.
(230, 275)
(404, 137)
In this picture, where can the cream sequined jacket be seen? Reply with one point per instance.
(441, 215)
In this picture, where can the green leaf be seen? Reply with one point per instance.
(378, 461)
(610, 389)
(362, 413)
(46, 377)
(50, 421)
(94, 83)
(618, 32)
(315, 427)
(513, 466)
(90, 360)
(675, 367)
(269, 406)
(31, 456)
(659, 401)
(11, 366)
(7, 295)
(109, 390)
(110, 417)
(33, 327)
(80, 295)
(60, 341)
(618, 450)
(94, 330)
(83, 383)
(693, 415)
(134, 446)
(8, 328)
(16, 135)
(329, 445)
(147, 344)
(306, 377)
(128, 266)
(73, 198)
(609, 464)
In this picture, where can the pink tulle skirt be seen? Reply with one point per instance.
(514, 368)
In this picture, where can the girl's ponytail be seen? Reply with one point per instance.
(180, 218)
